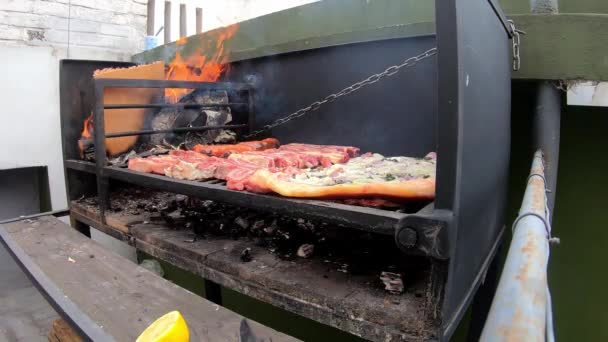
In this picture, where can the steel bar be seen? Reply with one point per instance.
(173, 130)
(183, 26)
(167, 23)
(80, 165)
(172, 105)
(519, 310)
(544, 6)
(56, 213)
(199, 20)
(150, 17)
(100, 151)
(132, 83)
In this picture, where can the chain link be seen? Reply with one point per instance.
(516, 44)
(390, 71)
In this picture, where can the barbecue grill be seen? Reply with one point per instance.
(457, 103)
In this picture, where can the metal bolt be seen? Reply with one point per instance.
(407, 237)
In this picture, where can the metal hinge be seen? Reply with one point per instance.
(516, 43)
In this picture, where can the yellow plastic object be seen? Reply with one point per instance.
(169, 328)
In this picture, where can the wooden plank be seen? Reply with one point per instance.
(167, 24)
(92, 219)
(199, 20)
(118, 295)
(183, 27)
(344, 301)
(61, 331)
(150, 17)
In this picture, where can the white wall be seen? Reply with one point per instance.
(34, 36)
(217, 13)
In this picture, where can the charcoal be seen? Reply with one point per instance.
(392, 282)
(271, 229)
(246, 255)
(343, 249)
(257, 226)
(306, 250)
(241, 222)
(174, 117)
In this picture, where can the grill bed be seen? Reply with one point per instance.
(369, 219)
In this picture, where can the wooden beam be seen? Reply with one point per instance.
(142, 296)
(183, 28)
(151, 12)
(199, 20)
(167, 22)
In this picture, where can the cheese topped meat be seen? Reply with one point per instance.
(370, 168)
(368, 176)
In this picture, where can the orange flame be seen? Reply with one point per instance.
(206, 64)
(87, 130)
(87, 133)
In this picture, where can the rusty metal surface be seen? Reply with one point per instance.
(519, 310)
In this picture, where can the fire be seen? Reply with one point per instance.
(86, 135)
(206, 64)
(87, 130)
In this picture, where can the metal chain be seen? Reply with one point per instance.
(516, 42)
(350, 89)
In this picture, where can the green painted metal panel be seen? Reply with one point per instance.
(320, 24)
(564, 46)
(565, 6)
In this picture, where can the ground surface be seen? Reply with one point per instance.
(24, 313)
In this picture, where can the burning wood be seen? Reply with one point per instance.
(203, 65)
(200, 65)
(175, 117)
(392, 282)
(306, 250)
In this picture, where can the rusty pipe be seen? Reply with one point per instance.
(521, 309)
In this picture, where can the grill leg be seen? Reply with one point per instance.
(81, 227)
(213, 292)
(103, 193)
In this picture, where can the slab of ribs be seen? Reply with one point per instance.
(300, 170)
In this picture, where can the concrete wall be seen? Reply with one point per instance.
(34, 36)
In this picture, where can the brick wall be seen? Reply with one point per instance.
(93, 29)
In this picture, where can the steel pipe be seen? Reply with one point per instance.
(546, 122)
(521, 308)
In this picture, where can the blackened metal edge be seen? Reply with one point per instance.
(100, 148)
(432, 234)
(452, 324)
(135, 83)
(56, 213)
(501, 15)
(68, 310)
(474, 85)
(80, 165)
(368, 219)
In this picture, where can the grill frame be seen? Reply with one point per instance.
(466, 223)
(99, 134)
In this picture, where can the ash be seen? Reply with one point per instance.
(342, 249)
